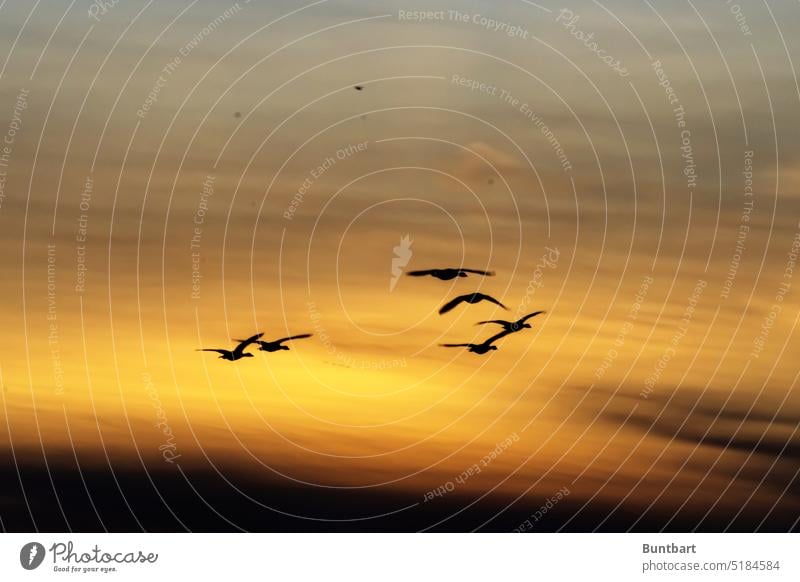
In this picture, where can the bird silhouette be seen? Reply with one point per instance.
(481, 348)
(278, 344)
(447, 274)
(513, 325)
(359, 88)
(236, 353)
(469, 298)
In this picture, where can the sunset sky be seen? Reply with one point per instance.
(181, 173)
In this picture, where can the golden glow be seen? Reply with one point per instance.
(372, 398)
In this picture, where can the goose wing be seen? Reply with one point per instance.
(246, 342)
(527, 317)
(478, 272)
(453, 303)
(292, 337)
(496, 337)
(490, 299)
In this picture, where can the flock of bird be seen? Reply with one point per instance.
(238, 352)
(509, 327)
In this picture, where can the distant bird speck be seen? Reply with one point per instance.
(358, 88)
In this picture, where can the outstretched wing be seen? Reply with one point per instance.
(496, 337)
(251, 340)
(455, 345)
(451, 304)
(478, 272)
(497, 321)
(527, 317)
(490, 299)
(292, 337)
(420, 273)
(244, 343)
(223, 352)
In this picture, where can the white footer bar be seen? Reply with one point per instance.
(401, 557)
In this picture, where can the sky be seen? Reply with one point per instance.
(180, 174)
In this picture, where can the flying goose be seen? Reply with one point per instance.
(512, 326)
(469, 298)
(278, 344)
(236, 353)
(480, 348)
(447, 274)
